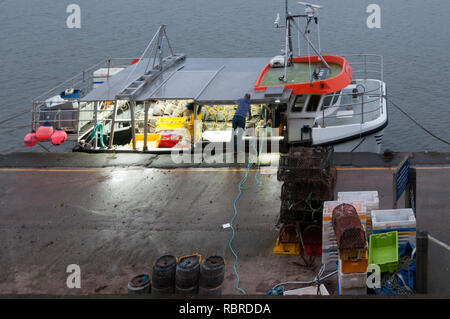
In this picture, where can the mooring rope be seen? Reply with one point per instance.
(416, 122)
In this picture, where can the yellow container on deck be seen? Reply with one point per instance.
(170, 123)
(152, 141)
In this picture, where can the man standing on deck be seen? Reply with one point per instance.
(242, 110)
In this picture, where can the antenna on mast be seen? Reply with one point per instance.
(310, 14)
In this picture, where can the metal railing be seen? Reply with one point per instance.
(60, 112)
(366, 101)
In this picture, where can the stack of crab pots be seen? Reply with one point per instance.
(309, 180)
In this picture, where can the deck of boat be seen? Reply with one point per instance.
(297, 73)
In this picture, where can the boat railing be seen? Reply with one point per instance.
(356, 107)
(359, 107)
(67, 113)
(366, 66)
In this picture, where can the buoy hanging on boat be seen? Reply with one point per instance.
(59, 137)
(31, 139)
(44, 131)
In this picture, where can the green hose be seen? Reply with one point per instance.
(98, 126)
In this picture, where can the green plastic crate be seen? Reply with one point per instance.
(383, 251)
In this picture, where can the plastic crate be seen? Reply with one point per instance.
(152, 140)
(170, 123)
(355, 265)
(352, 254)
(352, 291)
(168, 141)
(393, 219)
(370, 197)
(351, 280)
(383, 251)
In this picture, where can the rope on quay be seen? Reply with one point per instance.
(417, 123)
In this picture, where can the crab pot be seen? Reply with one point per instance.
(347, 226)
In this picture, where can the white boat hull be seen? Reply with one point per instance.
(369, 143)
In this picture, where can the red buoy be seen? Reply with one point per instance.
(59, 137)
(31, 139)
(44, 131)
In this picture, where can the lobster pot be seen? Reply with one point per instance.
(303, 163)
(371, 199)
(348, 228)
(329, 243)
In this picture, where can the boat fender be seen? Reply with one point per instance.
(44, 131)
(59, 137)
(31, 139)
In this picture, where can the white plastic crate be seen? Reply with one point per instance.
(370, 197)
(351, 280)
(329, 243)
(393, 219)
(352, 291)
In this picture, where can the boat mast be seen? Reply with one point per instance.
(290, 19)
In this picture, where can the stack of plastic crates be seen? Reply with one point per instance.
(309, 180)
(352, 250)
(401, 220)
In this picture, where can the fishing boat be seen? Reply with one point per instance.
(165, 101)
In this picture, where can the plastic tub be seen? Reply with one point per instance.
(170, 123)
(168, 141)
(152, 140)
(383, 251)
(393, 218)
(355, 265)
(351, 280)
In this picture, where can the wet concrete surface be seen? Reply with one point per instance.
(115, 221)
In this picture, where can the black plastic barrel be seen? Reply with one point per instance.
(163, 277)
(140, 284)
(212, 272)
(188, 272)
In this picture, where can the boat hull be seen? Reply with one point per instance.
(370, 143)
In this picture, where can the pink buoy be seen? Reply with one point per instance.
(44, 131)
(31, 139)
(59, 137)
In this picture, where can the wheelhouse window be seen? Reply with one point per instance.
(299, 103)
(313, 103)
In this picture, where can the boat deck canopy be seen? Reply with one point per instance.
(205, 80)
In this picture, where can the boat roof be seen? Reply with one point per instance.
(205, 80)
